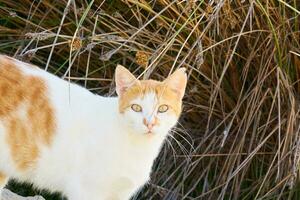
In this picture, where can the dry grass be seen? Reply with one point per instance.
(239, 133)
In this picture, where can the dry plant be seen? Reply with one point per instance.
(238, 137)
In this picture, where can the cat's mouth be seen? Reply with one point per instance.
(149, 132)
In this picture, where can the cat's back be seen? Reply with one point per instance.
(27, 116)
(22, 82)
(23, 94)
(34, 107)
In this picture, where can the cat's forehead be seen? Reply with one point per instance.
(147, 86)
(149, 92)
(149, 98)
(145, 89)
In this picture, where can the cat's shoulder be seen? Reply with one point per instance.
(6, 61)
(14, 71)
(14, 68)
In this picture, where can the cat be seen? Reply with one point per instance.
(61, 137)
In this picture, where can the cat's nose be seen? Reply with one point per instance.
(148, 124)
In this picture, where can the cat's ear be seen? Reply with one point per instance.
(124, 79)
(177, 81)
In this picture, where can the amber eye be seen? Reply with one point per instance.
(136, 108)
(163, 108)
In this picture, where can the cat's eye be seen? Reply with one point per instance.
(163, 108)
(136, 108)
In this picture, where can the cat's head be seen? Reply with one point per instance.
(149, 106)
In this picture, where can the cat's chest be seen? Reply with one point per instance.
(121, 174)
(129, 179)
(134, 162)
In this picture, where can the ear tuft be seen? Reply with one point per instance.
(124, 79)
(177, 81)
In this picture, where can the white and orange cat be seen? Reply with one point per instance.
(61, 137)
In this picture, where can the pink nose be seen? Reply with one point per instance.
(149, 125)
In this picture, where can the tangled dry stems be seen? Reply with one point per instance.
(238, 137)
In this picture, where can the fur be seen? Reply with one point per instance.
(61, 137)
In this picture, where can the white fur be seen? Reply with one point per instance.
(96, 153)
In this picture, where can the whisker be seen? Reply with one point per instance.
(173, 150)
(187, 141)
(183, 130)
(182, 148)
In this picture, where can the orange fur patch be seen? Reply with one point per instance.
(164, 94)
(2, 180)
(26, 113)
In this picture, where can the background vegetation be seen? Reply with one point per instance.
(238, 137)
